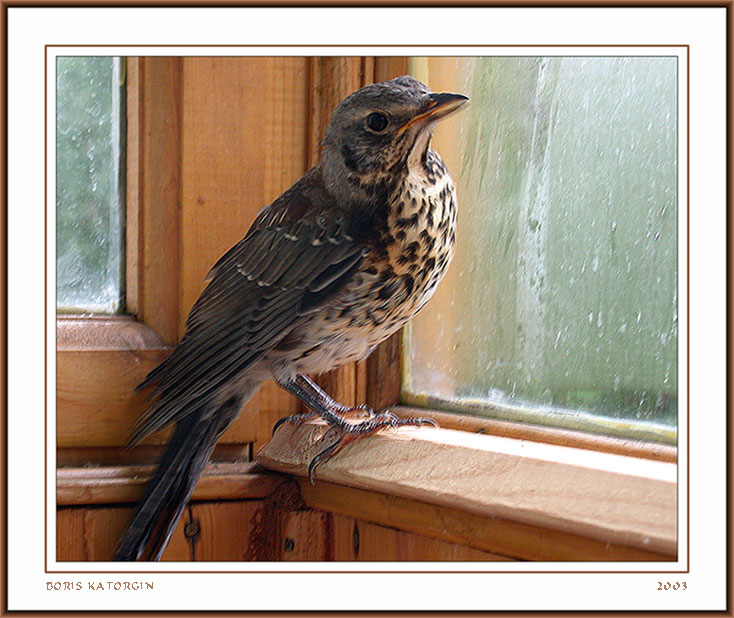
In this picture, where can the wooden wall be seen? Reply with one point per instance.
(278, 528)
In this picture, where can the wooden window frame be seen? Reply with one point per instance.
(101, 359)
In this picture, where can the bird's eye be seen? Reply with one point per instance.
(376, 122)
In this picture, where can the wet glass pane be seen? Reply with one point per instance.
(561, 304)
(89, 173)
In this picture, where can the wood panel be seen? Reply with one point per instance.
(96, 406)
(90, 534)
(363, 541)
(389, 67)
(495, 536)
(382, 372)
(227, 531)
(224, 529)
(305, 535)
(99, 364)
(216, 531)
(223, 162)
(153, 193)
(244, 142)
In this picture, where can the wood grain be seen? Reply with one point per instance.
(389, 67)
(244, 143)
(224, 529)
(99, 364)
(119, 484)
(306, 535)
(90, 457)
(154, 193)
(548, 435)
(90, 534)
(383, 374)
(362, 541)
(610, 498)
(496, 536)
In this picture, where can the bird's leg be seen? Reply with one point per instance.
(320, 403)
(334, 414)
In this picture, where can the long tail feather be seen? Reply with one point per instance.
(167, 494)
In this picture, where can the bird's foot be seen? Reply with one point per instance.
(363, 411)
(347, 432)
(342, 430)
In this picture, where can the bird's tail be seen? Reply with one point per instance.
(170, 489)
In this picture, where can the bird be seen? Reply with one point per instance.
(328, 270)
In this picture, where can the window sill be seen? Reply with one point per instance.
(100, 361)
(549, 435)
(513, 497)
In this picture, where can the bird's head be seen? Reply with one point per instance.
(376, 131)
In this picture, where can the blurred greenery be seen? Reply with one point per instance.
(565, 276)
(89, 205)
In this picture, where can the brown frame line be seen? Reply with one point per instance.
(680, 3)
(372, 3)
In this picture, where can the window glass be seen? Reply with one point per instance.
(561, 304)
(89, 184)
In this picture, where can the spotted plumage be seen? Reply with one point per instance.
(335, 265)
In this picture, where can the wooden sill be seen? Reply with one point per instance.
(99, 362)
(75, 333)
(548, 435)
(485, 481)
(82, 486)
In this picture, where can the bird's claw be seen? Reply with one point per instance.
(418, 421)
(397, 421)
(293, 418)
(384, 419)
(321, 455)
(362, 409)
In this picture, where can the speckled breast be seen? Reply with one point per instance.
(398, 278)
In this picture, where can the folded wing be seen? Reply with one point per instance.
(285, 268)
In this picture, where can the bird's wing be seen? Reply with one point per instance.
(286, 267)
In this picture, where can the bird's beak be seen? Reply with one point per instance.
(442, 104)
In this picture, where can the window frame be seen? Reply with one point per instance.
(94, 352)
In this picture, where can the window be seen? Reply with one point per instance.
(89, 184)
(561, 305)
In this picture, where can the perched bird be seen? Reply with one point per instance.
(335, 265)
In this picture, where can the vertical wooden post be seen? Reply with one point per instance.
(332, 79)
(154, 193)
(244, 141)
